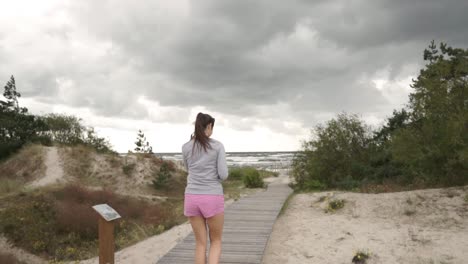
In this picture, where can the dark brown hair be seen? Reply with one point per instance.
(203, 120)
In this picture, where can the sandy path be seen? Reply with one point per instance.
(424, 226)
(54, 171)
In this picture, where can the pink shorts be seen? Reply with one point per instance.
(206, 205)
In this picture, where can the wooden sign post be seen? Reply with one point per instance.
(107, 215)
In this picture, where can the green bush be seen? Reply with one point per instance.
(8, 148)
(128, 168)
(334, 205)
(235, 173)
(252, 179)
(338, 157)
(162, 177)
(314, 185)
(361, 257)
(267, 173)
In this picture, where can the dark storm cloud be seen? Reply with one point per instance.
(234, 57)
(359, 24)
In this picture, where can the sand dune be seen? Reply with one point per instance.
(424, 226)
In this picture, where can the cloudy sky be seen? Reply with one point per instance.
(268, 71)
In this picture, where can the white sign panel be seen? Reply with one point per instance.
(106, 212)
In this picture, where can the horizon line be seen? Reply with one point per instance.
(279, 151)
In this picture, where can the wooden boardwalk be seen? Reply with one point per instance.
(247, 227)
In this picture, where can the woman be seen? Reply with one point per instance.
(205, 161)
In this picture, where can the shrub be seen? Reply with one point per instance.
(171, 166)
(361, 257)
(334, 205)
(75, 217)
(337, 156)
(17, 129)
(162, 177)
(314, 185)
(252, 179)
(235, 173)
(128, 168)
(267, 173)
(238, 173)
(9, 148)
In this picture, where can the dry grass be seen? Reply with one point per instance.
(74, 212)
(10, 185)
(286, 203)
(77, 162)
(233, 188)
(27, 164)
(24, 166)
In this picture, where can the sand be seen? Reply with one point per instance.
(424, 226)
(54, 171)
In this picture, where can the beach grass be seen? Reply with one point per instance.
(286, 203)
(24, 166)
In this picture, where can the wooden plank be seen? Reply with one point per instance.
(247, 228)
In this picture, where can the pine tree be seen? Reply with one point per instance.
(161, 178)
(142, 146)
(12, 95)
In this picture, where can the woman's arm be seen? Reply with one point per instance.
(184, 159)
(222, 165)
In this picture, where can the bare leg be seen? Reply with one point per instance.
(199, 230)
(215, 225)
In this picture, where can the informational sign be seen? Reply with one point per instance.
(107, 212)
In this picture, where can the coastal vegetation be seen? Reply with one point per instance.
(422, 145)
(361, 257)
(335, 204)
(250, 177)
(59, 223)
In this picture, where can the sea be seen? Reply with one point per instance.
(272, 161)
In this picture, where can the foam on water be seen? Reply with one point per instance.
(261, 160)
